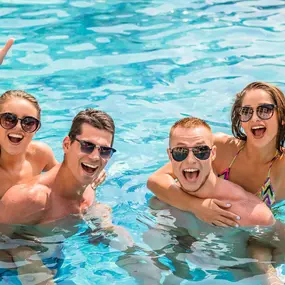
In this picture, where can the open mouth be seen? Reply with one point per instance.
(15, 138)
(90, 169)
(258, 131)
(191, 174)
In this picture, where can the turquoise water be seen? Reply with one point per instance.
(146, 63)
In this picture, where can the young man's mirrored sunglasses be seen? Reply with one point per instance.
(29, 124)
(263, 112)
(105, 152)
(179, 153)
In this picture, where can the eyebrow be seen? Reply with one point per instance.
(196, 144)
(259, 104)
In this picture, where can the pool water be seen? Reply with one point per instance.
(146, 63)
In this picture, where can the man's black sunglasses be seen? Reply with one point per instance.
(105, 152)
(179, 153)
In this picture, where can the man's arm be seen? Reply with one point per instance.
(163, 185)
(24, 204)
(5, 50)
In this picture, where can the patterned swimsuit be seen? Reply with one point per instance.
(266, 192)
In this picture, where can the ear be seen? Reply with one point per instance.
(213, 153)
(66, 144)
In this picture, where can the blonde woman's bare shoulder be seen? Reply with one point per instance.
(43, 153)
(38, 148)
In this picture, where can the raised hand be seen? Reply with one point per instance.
(5, 50)
(99, 180)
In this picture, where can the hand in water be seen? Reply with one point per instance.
(5, 50)
(99, 180)
(214, 213)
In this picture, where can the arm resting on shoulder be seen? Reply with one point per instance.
(163, 185)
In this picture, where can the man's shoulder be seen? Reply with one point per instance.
(37, 147)
(232, 190)
(27, 192)
(24, 203)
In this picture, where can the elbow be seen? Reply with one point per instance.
(150, 184)
(268, 220)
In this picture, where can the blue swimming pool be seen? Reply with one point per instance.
(147, 63)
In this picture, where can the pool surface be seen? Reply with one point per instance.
(146, 63)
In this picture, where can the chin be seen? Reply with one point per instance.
(189, 190)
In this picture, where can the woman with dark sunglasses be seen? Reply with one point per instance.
(20, 157)
(253, 158)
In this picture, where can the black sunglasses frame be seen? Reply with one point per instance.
(196, 150)
(270, 107)
(22, 122)
(92, 146)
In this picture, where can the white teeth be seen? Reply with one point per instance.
(191, 170)
(16, 136)
(258, 127)
(89, 165)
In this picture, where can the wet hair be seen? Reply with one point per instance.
(278, 99)
(95, 118)
(189, 123)
(22, 95)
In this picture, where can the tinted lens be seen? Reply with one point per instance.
(202, 152)
(8, 120)
(106, 152)
(87, 147)
(179, 153)
(29, 124)
(245, 113)
(265, 112)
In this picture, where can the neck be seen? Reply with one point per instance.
(9, 162)
(67, 186)
(208, 188)
(261, 154)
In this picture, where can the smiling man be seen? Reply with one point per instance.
(65, 189)
(191, 152)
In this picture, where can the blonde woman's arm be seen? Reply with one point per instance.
(5, 49)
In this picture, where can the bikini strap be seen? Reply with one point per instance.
(272, 161)
(233, 160)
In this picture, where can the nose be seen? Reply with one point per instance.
(18, 125)
(95, 154)
(254, 116)
(191, 157)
